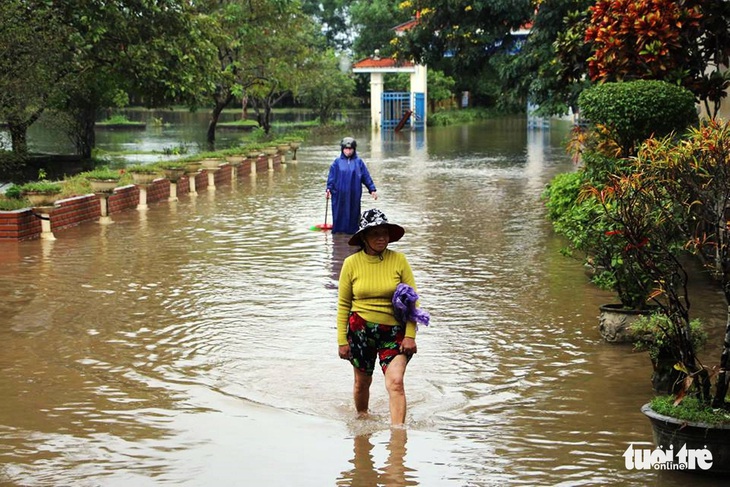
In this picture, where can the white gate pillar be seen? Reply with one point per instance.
(376, 95)
(419, 84)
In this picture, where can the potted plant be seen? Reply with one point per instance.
(653, 334)
(589, 232)
(173, 170)
(143, 173)
(41, 193)
(574, 200)
(102, 179)
(678, 202)
(253, 151)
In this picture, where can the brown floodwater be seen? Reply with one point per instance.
(194, 343)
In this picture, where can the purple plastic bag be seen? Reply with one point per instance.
(404, 303)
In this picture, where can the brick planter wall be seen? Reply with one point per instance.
(201, 180)
(159, 190)
(19, 225)
(124, 198)
(244, 169)
(24, 225)
(183, 186)
(262, 164)
(73, 211)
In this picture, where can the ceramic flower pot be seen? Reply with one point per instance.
(143, 177)
(41, 199)
(173, 173)
(103, 185)
(211, 164)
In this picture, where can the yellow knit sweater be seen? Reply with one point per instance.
(366, 286)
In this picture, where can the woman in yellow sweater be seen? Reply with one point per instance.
(366, 323)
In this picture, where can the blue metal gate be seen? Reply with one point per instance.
(420, 115)
(395, 106)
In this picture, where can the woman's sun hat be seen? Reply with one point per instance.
(375, 218)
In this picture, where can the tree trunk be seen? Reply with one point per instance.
(86, 137)
(19, 131)
(18, 137)
(266, 119)
(221, 102)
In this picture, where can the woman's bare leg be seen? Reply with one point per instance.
(361, 391)
(396, 391)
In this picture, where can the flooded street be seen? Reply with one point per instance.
(194, 343)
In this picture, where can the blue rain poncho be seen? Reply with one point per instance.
(345, 181)
(404, 304)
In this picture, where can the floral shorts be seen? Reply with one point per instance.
(368, 340)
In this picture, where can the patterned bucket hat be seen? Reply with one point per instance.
(376, 218)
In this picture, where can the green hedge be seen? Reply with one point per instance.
(635, 110)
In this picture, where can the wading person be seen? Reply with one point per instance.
(347, 175)
(368, 325)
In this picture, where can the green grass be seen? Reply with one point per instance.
(118, 120)
(453, 117)
(11, 204)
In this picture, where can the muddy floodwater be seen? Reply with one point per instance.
(193, 344)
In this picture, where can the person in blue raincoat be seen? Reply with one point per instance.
(347, 175)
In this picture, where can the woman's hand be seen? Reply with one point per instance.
(344, 352)
(408, 346)
(374, 194)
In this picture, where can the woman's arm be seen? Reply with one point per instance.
(344, 302)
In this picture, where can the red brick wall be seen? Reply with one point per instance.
(183, 186)
(223, 175)
(244, 169)
(201, 180)
(19, 225)
(24, 225)
(73, 211)
(262, 164)
(159, 190)
(124, 198)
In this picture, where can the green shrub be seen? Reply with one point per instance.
(590, 233)
(654, 333)
(10, 204)
(170, 165)
(13, 192)
(634, 111)
(143, 168)
(101, 173)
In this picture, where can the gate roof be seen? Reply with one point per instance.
(376, 64)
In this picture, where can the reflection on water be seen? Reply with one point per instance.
(193, 343)
(393, 472)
